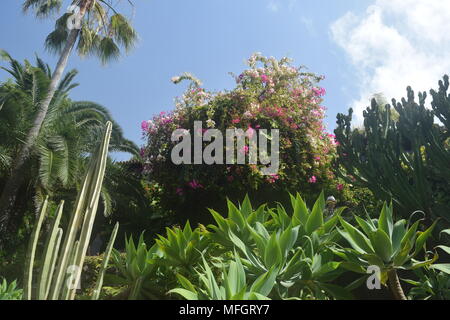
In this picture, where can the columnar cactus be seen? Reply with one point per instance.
(52, 284)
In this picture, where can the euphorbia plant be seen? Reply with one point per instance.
(387, 245)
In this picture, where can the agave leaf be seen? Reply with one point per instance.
(381, 244)
(422, 238)
(385, 221)
(315, 219)
(359, 241)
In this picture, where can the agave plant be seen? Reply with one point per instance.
(389, 246)
(182, 248)
(232, 285)
(136, 266)
(293, 247)
(10, 291)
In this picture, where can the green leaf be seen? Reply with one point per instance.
(410, 235)
(337, 292)
(331, 223)
(446, 231)
(235, 215)
(300, 210)
(445, 248)
(326, 268)
(444, 267)
(265, 283)
(365, 226)
(381, 244)
(359, 241)
(186, 283)
(398, 234)
(422, 238)
(288, 239)
(385, 221)
(246, 207)
(403, 255)
(188, 295)
(272, 253)
(315, 219)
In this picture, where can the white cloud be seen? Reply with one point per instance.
(395, 43)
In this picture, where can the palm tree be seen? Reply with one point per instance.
(103, 31)
(69, 132)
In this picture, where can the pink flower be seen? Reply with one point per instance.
(247, 114)
(179, 191)
(313, 179)
(244, 150)
(250, 131)
(144, 125)
(142, 152)
(317, 158)
(264, 78)
(273, 178)
(340, 187)
(195, 185)
(235, 121)
(319, 91)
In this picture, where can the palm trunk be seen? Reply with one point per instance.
(9, 195)
(395, 286)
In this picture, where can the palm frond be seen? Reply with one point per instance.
(42, 8)
(107, 50)
(66, 82)
(43, 66)
(122, 31)
(56, 40)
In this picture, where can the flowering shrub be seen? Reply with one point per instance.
(270, 94)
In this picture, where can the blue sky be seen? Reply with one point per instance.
(212, 38)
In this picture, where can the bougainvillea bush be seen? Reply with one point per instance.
(270, 94)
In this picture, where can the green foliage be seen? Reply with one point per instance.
(103, 30)
(56, 262)
(136, 266)
(99, 283)
(387, 244)
(274, 253)
(182, 248)
(294, 248)
(60, 157)
(234, 284)
(403, 158)
(10, 291)
(430, 285)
